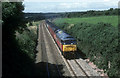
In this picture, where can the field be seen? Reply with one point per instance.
(93, 20)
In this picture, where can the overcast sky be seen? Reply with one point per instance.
(46, 6)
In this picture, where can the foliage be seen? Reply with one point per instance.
(90, 13)
(33, 23)
(34, 16)
(27, 40)
(92, 20)
(99, 42)
(12, 15)
(16, 63)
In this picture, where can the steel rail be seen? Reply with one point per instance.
(55, 58)
(81, 68)
(71, 68)
(42, 32)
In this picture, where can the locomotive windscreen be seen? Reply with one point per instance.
(65, 42)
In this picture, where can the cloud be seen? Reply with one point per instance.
(106, 0)
(69, 6)
(51, 0)
(70, 0)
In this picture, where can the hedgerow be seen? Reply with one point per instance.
(99, 42)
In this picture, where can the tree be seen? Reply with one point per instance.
(12, 15)
(15, 62)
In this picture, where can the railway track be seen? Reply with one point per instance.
(74, 66)
(76, 74)
(80, 70)
(43, 49)
(57, 67)
(47, 49)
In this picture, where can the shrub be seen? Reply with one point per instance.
(27, 41)
(99, 42)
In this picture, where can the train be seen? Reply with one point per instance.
(65, 42)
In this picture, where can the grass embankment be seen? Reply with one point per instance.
(25, 58)
(92, 20)
(97, 39)
(33, 23)
(27, 40)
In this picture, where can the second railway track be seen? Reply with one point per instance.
(53, 71)
(82, 69)
(74, 66)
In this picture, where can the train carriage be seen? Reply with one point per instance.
(52, 28)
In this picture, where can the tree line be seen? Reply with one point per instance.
(89, 13)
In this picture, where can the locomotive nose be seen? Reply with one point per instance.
(69, 48)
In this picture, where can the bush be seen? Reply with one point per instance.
(17, 61)
(27, 41)
(99, 42)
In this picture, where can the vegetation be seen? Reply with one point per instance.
(92, 20)
(34, 16)
(90, 13)
(19, 42)
(99, 41)
(33, 23)
(27, 40)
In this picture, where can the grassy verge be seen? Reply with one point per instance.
(27, 40)
(33, 23)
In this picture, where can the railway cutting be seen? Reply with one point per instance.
(50, 52)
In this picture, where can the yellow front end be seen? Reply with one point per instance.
(69, 48)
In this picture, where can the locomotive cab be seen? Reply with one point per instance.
(69, 45)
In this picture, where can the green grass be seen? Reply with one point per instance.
(93, 20)
(34, 23)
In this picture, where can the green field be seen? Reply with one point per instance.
(93, 20)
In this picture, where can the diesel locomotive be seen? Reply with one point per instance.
(65, 42)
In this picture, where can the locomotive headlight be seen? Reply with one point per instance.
(71, 43)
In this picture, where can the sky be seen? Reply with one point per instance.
(55, 6)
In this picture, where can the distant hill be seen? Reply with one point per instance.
(40, 16)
